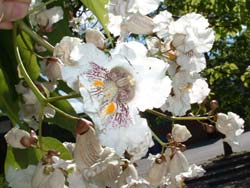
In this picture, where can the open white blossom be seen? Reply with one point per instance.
(188, 88)
(161, 24)
(191, 37)
(231, 125)
(130, 16)
(114, 88)
(180, 133)
(20, 178)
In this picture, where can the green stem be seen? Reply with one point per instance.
(26, 76)
(37, 8)
(57, 98)
(163, 144)
(40, 125)
(173, 118)
(35, 36)
(62, 112)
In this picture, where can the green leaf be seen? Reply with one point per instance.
(99, 10)
(21, 158)
(8, 103)
(27, 55)
(52, 143)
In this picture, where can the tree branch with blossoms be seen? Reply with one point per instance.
(158, 74)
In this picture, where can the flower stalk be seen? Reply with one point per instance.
(35, 36)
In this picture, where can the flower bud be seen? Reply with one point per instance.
(139, 24)
(210, 128)
(96, 37)
(180, 133)
(83, 126)
(214, 105)
(53, 68)
(18, 138)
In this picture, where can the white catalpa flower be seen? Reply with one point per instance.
(231, 125)
(161, 24)
(178, 104)
(191, 32)
(63, 49)
(191, 38)
(20, 178)
(188, 88)
(113, 89)
(130, 16)
(180, 133)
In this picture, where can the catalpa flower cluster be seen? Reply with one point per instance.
(115, 85)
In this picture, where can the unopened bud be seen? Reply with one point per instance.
(96, 37)
(210, 128)
(83, 126)
(214, 105)
(17, 138)
(53, 68)
(139, 24)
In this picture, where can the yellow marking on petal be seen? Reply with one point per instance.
(108, 95)
(171, 56)
(186, 88)
(98, 83)
(110, 108)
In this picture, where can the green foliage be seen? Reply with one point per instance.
(15, 157)
(59, 119)
(29, 59)
(98, 8)
(8, 78)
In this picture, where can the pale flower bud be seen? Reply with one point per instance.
(14, 137)
(50, 16)
(96, 37)
(139, 24)
(180, 133)
(53, 68)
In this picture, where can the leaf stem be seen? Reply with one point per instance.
(35, 36)
(173, 118)
(63, 113)
(26, 76)
(57, 98)
(40, 125)
(163, 144)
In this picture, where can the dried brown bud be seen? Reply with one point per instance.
(83, 126)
